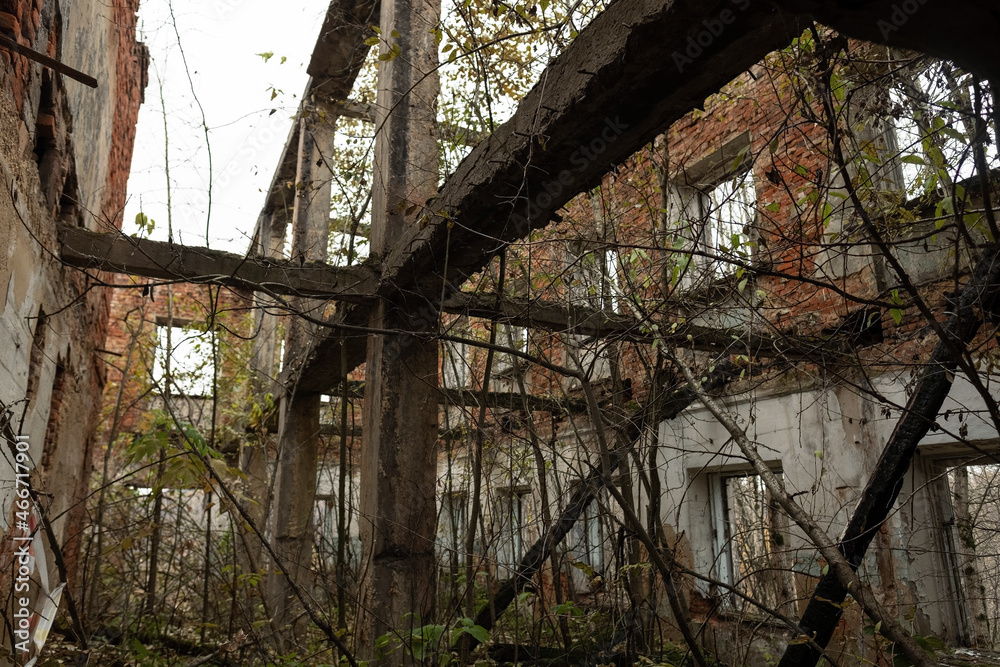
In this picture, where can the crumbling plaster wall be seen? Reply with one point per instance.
(50, 371)
(825, 441)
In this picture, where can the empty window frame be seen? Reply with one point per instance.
(593, 277)
(511, 522)
(451, 527)
(586, 540)
(933, 114)
(187, 354)
(592, 354)
(454, 364)
(514, 338)
(975, 496)
(712, 207)
(325, 514)
(727, 211)
(750, 538)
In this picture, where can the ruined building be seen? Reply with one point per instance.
(696, 345)
(69, 97)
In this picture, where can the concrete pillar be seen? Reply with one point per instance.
(398, 454)
(290, 518)
(263, 368)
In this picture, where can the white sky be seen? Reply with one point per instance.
(220, 39)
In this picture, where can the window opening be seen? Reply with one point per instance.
(191, 361)
(513, 506)
(587, 539)
(594, 278)
(454, 364)
(451, 527)
(932, 112)
(750, 535)
(975, 539)
(727, 213)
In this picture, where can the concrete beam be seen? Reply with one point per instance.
(611, 92)
(168, 261)
(366, 112)
(622, 81)
(358, 284)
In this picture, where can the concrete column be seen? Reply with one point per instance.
(290, 518)
(398, 454)
(263, 368)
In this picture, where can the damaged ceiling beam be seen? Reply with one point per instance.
(115, 252)
(118, 253)
(623, 80)
(606, 96)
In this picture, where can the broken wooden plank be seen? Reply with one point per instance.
(167, 261)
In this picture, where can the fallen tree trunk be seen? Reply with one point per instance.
(977, 299)
(535, 557)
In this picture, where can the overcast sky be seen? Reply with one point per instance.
(220, 39)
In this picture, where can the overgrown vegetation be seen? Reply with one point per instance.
(824, 251)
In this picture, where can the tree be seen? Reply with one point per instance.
(774, 258)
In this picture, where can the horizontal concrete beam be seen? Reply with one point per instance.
(366, 112)
(118, 253)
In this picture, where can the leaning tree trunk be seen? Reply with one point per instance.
(977, 301)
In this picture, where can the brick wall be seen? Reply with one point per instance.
(52, 319)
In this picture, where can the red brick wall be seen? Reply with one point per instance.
(21, 18)
(69, 377)
(131, 78)
(148, 305)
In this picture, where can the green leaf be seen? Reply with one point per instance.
(800, 170)
(466, 626)
(837, 86)
(266, 55)
(912, 159)
(567, 607)
(144, 222)
(583, 567)
(827, 213)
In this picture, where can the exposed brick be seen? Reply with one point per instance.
(9, 23)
